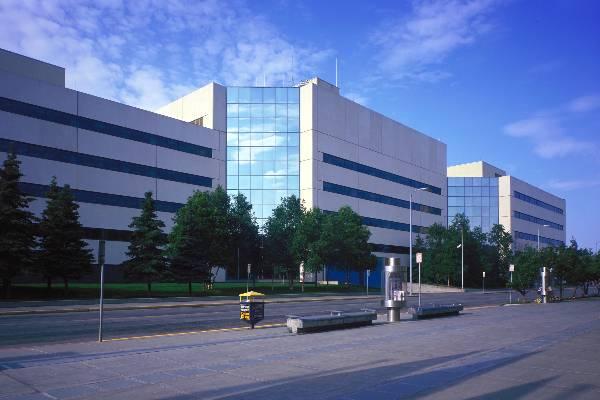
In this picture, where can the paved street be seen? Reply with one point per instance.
(526, 351)
(82, 326)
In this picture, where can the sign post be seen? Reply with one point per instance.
(368, 274)
(419, 261)
(248, 277)
(483, 282)
(511, 268)
(101, 254)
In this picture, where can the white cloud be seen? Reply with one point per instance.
(411, 47)
(145, 53)
(573, 184)
(584, 103)
(547, 130)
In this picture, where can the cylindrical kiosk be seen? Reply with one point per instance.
(393, 279)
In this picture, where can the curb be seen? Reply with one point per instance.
(177, 305)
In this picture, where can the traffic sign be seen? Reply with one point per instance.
(419, 257)
(511, 268)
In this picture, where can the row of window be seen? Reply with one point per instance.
(480, 201)
(534, 238)
(537, 220)
(474, 211)
(290, 167)
(263, 95)
(263, 139)
(379, 198)
(386, 224)
(367, 170)
(389, 248)
(263, 153)
(71, 157)
(245, 125)
(538, 203)
(263, 110)
(263, 182)
(473, 191)
(76, 121)
(107, 199)
(473, 182)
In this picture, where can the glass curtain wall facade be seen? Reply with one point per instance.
(477, 198)
(263, 145)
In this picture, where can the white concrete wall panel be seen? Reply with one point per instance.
(37, 92)
(176, 192)
(115, 148)
(39, 171)
(112, 182)
(35, 131)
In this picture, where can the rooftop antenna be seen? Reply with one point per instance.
(336, 73)
(292, 69)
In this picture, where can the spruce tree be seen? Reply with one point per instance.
(48, 260)
(16, 224)
(62, 247)
(146, 249)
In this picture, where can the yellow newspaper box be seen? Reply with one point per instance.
(252, 307)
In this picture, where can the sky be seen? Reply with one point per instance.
(515, 83)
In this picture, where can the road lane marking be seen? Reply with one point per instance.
(241, 328)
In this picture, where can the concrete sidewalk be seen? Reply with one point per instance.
(69, 306)
(526, 352)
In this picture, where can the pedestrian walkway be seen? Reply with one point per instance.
(528, 351)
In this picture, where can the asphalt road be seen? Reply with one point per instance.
(23, 330)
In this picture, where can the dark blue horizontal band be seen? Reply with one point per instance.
(397, 226)
(379, 198)
(86, 196)
(539, 221)
(384, 223)
(534, 238)
(365, 169)
(389, 248)
(538, 203)
(71, 157)
(76, 121)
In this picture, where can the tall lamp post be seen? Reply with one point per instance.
(461, 246)
(410, 237)
(543, 226)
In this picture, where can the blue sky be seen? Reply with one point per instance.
(515, 83)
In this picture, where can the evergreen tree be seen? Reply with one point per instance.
(62, 247)
(16, 224)
(146, 259)
(47, 262)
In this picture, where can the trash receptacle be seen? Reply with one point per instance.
(252, 307)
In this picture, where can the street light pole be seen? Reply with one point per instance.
(538, 237)
(410, 257)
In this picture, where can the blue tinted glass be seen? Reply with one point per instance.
(244, 124)
(232, 124)
(244, 95)
(232, 110)
(256, 95)
(456, 181)
(232, 95)
(281, 95)
(269, 95)
(256, 110)
(493, 181)
(232, 182)
(244, 110)
(293, 139)
(232, 139)
(268, 110)
(293, 125)
(293, 95)
(477, 181)
(468, 181)
(232, 167)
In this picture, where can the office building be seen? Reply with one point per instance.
(310, 141)
(109, 153)
(488, 196)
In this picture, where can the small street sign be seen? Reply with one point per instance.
(484, 274)
(419, 257)
(511, 268)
